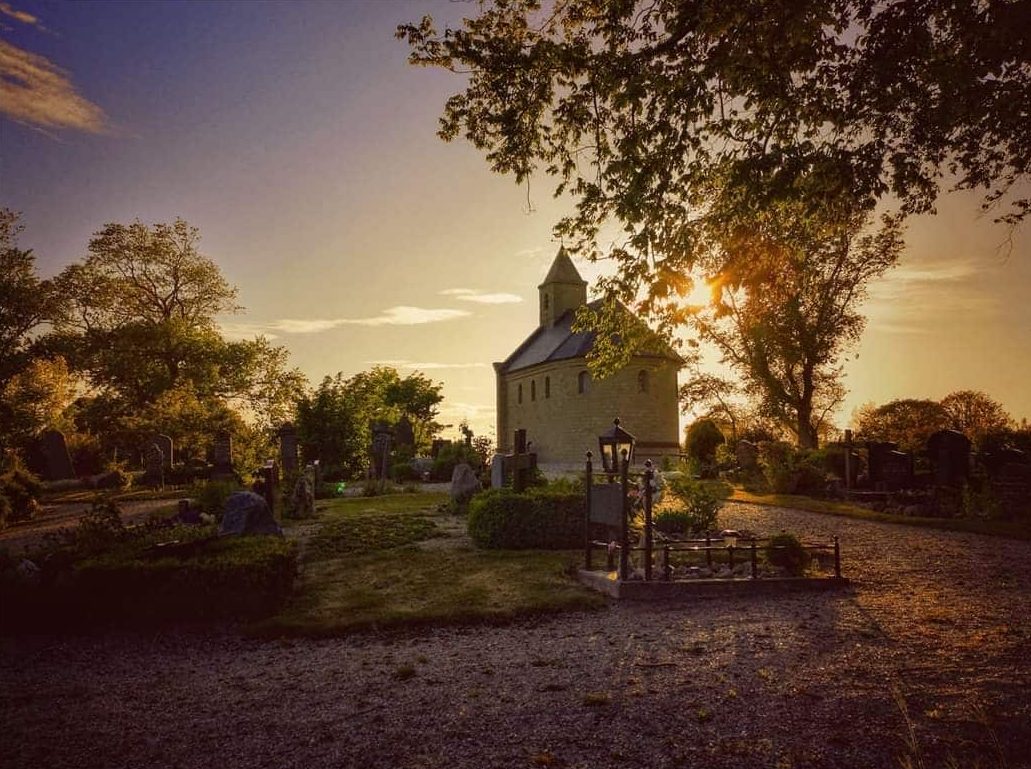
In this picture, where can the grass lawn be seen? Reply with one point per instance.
(814, 505)
(398, 561)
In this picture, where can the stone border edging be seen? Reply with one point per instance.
(657, 590)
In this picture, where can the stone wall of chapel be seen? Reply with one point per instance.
(565, 425)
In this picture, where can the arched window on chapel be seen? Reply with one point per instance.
(533, 389)
(519, 394)
(583, 382)
(547, 387)
(642, 381)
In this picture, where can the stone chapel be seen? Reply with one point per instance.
(545, 388)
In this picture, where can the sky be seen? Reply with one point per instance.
(299, 141)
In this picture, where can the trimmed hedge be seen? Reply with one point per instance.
(538, 519)
(197, 577)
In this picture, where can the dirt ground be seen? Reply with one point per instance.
(936, 622)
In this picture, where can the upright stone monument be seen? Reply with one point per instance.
(55, 455)
(288, 448)
(222, 455)
(164, 442)
(382, 439)
(404, 434)
(154, 466)
(949, 452)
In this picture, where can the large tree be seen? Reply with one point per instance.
(908, 422)
(686, 126)
(26, 301)
(975, 414)
(140, 322)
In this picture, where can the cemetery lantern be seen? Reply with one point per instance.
(612, 444)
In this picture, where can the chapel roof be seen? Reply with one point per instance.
(557, 342)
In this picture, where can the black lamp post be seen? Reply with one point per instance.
(614, 444)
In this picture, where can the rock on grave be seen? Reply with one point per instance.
(464, 484)
(248, 513)
(302, 501)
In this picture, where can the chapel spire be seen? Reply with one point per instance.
(562, 290)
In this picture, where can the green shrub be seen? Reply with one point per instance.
(192, 574)
(703, 436)
(21, 489)
(5, 511)
(699, 510)
(404, 472)
(787, 552)
(115, 477)
(100, 528)
(536, 519)
(777, 460)
(211, 496)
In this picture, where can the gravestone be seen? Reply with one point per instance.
(1011, 487)
(889, 469)
(302, 501)
(58, 461)
(438, 444)
(949, 452)
(497, 471)
(382, 439)
(404, 434)
(607, 504)
(222, 455)
(164, 442)
(747, 454)
(154, 466)
(464, 484)
(288, 448)
(521, 463)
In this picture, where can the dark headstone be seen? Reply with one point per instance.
(949, 452)
(302, 501)
(607, 504)
(889, 469)
(382, 440)
(1011, 487)
(154, 466)
(404, 434)
(57, 460)
(747, 454)
(222, 455)
(438, 444)
(248, 513)
(288, 448)
(164, 442)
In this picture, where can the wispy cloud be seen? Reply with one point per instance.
(23, 16)
(426, 365)
(915, 299)
(394, 316)
(36, 92)
(481, 297)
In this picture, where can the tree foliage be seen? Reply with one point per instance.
(975, 414)
(26, 301)
(746, 143)
(908, 422)
(334, 421)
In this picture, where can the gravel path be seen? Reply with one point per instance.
(793, 681)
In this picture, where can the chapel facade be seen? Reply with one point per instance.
(544, 386)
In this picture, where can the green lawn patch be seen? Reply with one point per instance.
(1009, 529)
(364, 569)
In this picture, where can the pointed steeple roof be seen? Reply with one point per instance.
(563, 271)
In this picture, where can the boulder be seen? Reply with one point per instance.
(464, 484)
(248, 513)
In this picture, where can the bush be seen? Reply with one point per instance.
(404, 472)
(786, 551)
(536, 519)
(452, 455)
(115, 477)
(777, 461)
(699, 512)
(5, 511)
(21, 489)
(211, 496)
(703, 436)
(184, 572)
